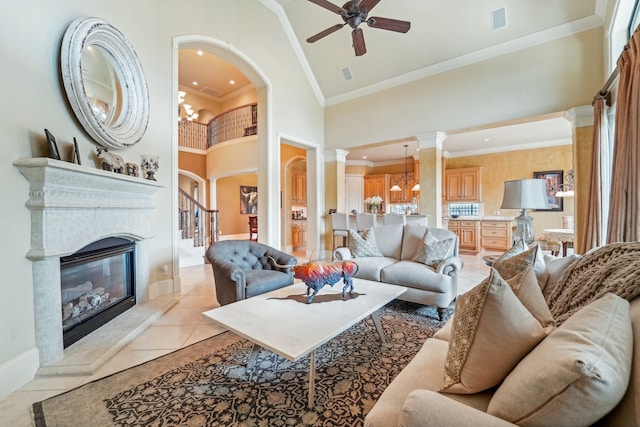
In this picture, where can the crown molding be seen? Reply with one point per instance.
(519, 147)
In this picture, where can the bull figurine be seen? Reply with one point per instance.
(316, 274)
(110, 161)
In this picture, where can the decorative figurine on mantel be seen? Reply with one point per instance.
(132, 169)
(149, 166)
(316, 274)
(110, 162)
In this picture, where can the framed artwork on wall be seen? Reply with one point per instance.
(248, 200)
(554, 180)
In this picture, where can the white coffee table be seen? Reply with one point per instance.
(283, 323)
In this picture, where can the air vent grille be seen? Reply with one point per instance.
(499, 18)
(211, 91)
(346, 72)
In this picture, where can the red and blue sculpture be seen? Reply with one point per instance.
(316, 274)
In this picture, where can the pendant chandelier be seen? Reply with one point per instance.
(185, 111)
(396, 187)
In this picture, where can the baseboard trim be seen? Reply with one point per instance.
(18, 371)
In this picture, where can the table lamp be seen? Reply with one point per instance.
(525, 194)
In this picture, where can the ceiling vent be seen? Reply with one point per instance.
(499, 18)
(211, 91)
(346, 72)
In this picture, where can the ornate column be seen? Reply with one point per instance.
(334, 187)
(430, 144)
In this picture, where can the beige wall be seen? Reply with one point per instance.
(228, 203)
(547, 78)
(521, 164)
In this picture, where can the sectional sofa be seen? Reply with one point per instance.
(572, 360)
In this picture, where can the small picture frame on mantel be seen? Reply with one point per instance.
(76, 152)
(53, 147)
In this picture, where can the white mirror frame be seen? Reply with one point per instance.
(131, 124)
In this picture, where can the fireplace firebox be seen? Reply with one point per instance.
(97, 284)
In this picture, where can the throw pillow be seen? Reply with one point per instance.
(363, 246)
(555, 267)
(517, 248)
(431, 251)
(576, 375)
(525, 286)
(516, 264)
(492, 330)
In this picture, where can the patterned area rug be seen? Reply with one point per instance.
(208, 384)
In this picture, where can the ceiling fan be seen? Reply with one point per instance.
(354, 13)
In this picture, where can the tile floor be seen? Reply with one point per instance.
(179, 327)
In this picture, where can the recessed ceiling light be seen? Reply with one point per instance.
(486, 139)
(364, 157)
(232, 82)
(200, 53)
(194, 83)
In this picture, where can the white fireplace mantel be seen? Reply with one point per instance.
(72, 206)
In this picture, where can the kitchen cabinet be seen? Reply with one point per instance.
(376, 185)
(463, 185)
(299, 187)
(468, 232)
(299, 234)
(496, 235)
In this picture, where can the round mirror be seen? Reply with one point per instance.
(104, 82)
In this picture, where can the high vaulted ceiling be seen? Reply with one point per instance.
(444, 35)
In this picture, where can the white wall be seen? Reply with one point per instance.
(30, 35)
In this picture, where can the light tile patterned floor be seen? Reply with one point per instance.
(179, 327)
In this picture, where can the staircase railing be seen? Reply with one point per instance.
(196, 221)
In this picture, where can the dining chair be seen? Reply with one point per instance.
(253, 228)
(394, 218)
(365, 220)
(340, 226)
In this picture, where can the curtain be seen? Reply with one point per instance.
(624, 207)
(595, 230)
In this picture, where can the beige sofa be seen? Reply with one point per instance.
(413, 399)
(398, 243)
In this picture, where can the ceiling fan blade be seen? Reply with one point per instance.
(389, 24)
(358, 42)
(324, 33)
(368, 4)
(329, 6)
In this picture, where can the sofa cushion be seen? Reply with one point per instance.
(389, 239)
(555, 267)
(365, 245)
(539, 266)
(491, 332)
(370, 268)
(432, 251)
(576, 375)
(416, 275)
(518, 247)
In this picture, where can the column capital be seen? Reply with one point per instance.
(431, 139)
(335, 155)
(580, 116)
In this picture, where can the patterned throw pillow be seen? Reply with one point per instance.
(525, 286)
(431, 251)
(517, 248)
(516, 264)
(491, 332)
(363, 246)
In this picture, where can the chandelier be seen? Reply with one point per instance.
(185, 111)
(396, 187)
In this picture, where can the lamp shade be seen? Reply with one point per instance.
(525, 194)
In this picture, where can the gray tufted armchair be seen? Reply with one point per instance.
(242, 269)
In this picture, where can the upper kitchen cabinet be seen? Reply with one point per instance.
(463, 185)
(405, 193)
(299, 187)
(376, 185)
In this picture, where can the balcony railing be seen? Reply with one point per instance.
(232, 124)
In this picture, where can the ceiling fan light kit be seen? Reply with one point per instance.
(354, 13)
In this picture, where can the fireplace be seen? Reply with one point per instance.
(74, 210)
(97, 284)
